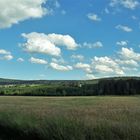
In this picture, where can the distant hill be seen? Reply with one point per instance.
(18, 82)
(4, 81)
(103, 86)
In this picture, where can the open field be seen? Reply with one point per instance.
(70, 118)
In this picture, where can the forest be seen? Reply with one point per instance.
(106, 86)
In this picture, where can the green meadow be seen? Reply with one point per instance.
(70, 118)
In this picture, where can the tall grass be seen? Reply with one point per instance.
(75, 118)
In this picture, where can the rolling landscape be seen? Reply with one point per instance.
(69, 69)
(70, 110)
(105, 86)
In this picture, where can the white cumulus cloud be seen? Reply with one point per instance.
(61, 67)
(97, 44)
(93, 17)
(83, 66)
(63, 40)
(37, 61)
(39, 43)
(103, 68)
(20, 59)
(12, 12)
(48, 44)
(106, 65)
(130, 4)
(58, 61)
(5, 55)
(124, 28)
(2, 51)
(128, 54)
(122, 43)
(129, 63)
(78, 57)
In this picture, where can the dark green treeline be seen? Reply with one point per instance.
(110, 86)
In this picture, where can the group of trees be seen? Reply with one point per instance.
(102, 87)
(114, 87)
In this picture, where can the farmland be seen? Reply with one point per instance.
(70, 118)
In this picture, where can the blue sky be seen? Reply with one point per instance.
(73, 39)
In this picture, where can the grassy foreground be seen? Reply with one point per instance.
(70, 118)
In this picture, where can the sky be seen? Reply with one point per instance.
(69, 39)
